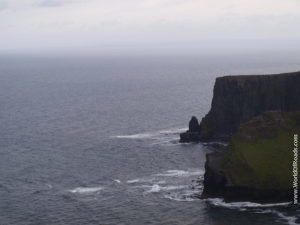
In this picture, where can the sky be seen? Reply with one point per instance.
(162, 25)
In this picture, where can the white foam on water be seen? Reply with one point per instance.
(157, 188)
(134, 136)
(86, 190)
(258, 208)
(174, 131)
(150, 180)
(185, 196)
(169, 174)
(291, 220)
(239, 205)
(141, 180)
(133, 181)
(118, 181)
(168, 141)
(152, 135)
(171, 184)
(180, 173)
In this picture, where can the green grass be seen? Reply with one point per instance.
(263, 163)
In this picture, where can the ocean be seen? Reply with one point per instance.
(93, 140)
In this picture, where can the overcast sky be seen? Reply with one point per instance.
(142, 24)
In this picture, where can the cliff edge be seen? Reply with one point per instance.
(237, 99)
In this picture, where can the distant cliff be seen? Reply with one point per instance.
(237, 99)
(257, 166)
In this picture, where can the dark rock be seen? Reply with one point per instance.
(193, 134)
(194, 125)
(190, 137)
(214, 179)
(237, 99)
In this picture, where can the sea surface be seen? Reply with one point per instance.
(93, 140)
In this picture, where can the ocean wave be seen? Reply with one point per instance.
(173, 131)
(134, 136)
(272, 208)
(86, 190)
(157, 188)
(240, 205)
(185, 196)
(169, 174)
(141, 180)
(171, 184)
(118, 181)
(133, 181)
(169, 142)
(152, 135)
(291, 220)
(180, 173)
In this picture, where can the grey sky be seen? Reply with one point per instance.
(173, 24)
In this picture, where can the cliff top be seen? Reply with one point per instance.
(260, 154)
(267, 76)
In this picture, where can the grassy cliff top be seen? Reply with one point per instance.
(260, 155)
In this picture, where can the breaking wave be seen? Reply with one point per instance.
(241, 205)
(160, 137)
(141, 180)
(171, 184)
(290, 220)
(118, 181)
(184, 196)
(133, 181)
(265, 208)
(180, 173)
(86, 190)
(152, 134)
(157, 188)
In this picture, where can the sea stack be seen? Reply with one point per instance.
(194, 125)
(192, 135)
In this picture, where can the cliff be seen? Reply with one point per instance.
(237, 99)
(257, 165)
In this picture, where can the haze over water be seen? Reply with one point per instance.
(94, 139)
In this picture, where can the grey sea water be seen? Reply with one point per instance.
(94, 140)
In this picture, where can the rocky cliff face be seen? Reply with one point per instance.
(257, 165)
(237, 99)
